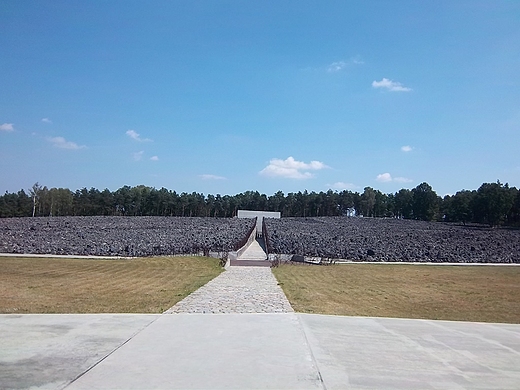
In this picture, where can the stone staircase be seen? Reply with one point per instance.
(254, 255)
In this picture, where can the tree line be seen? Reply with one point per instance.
(493, 203)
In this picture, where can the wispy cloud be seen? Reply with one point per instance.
(357, 60)
(402, 180)
(46, 120)
(340, 185)
(387, 178)
(338, 66)
(136, 136)
(212, 177)
(154, 158)
(138, 156)
(393, 86)
(406, 148)
(291, 168)
(62, 143)
(7, 127)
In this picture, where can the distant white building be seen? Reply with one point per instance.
(260, 215)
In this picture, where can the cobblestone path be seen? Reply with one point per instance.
(237, 290)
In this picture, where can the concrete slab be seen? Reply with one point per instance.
(253, 252)
(283, 351)
(388, 353)
(49, 351)
(219, 351)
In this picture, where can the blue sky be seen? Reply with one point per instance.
(229, 96)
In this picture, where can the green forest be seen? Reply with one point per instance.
(493, 204)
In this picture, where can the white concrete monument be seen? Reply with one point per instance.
(260, 215)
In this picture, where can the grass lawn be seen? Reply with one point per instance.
(461, 293)
(143, 285)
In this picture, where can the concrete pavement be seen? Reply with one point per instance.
(390, 353)
(253, 252)
(226, 351)
(282, 351)
(48, 351)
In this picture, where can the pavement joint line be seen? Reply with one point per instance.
(108, 354)
(308, 344)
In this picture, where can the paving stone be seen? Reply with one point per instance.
(237, 290)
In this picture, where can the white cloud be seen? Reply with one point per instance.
(387, 178)
(138, 156)
(62, 143)
(7, 127)
(406, 148)
(384, 178)
(390, 85)
(339, 185)
(291, 168)
(154, 158)
(211, 177)
(136, 136)
(46, 120)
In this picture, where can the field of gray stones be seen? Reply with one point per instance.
(121, 236)
(350, 238)
(377, 239)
